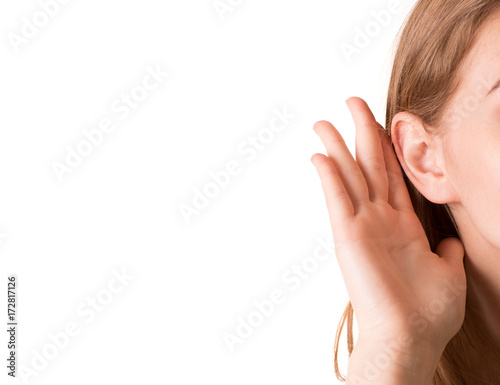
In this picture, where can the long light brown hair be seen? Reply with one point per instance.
(433, 42)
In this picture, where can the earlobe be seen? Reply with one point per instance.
(420, 158)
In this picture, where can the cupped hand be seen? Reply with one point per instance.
(395, 283)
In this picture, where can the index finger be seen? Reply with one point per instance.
(369, 153)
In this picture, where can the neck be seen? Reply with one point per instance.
(482, 267)
(483, 292)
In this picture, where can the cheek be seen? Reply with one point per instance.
(480, 187)
(461, 162)
(491, 159)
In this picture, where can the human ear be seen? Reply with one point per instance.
(420, 157)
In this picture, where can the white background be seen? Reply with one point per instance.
(119, 209)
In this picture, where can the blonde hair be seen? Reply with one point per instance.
(433, 44)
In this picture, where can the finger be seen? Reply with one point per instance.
(337, 199)
(369, 153)
(347, 168)
(452, 251)
(399, 198)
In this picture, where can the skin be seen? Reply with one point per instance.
(384, 256)
(461, 167)
(381, 248)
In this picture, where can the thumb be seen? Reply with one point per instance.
(451, 250)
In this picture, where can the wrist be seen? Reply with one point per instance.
(400, 360)
(403, 344)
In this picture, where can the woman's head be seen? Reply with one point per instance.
(444, 123)
(445, 127)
